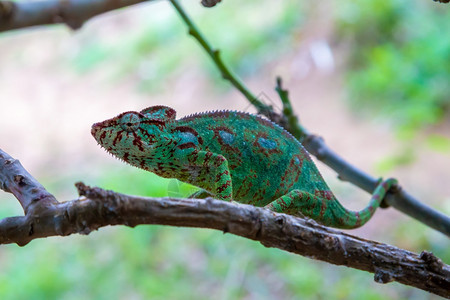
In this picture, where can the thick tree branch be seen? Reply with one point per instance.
(400, 200)
(97, 208)
(73, 13)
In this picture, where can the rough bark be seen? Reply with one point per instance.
(73, 13)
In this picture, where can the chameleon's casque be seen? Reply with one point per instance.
(233, 156)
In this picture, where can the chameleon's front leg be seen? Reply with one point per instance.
(219, 174)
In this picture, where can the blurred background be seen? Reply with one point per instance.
(370, 77)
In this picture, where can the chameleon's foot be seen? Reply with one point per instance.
(201, 194)
(390, 186)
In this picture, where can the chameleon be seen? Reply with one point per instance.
(231, 155)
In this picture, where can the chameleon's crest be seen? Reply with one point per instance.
(159, 113)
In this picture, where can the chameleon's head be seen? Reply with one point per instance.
(135, 136)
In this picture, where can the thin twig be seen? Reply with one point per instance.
(293, 124)
(221, 65)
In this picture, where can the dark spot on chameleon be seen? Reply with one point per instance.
(266, 143)
(190, 130)
(102, 136)
(160, 124)
(186, 129)
(358, 219)
(117, 138)
(323, 209)
(224, 186)
(208, 155)
(125, 157)
(187, 145)
(137, 141)
(226, 137)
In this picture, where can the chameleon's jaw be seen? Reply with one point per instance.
(102, 133)
(120, 143)
(94, 129)
(97, 130)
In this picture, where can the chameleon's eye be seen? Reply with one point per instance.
(130, 122)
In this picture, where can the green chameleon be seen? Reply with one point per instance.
(232, 156)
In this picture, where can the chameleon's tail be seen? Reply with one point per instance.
(326, 209)
(343, 218)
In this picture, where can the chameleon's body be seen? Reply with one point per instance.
(233, 156)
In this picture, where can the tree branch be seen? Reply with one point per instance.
(73, 13)
(97, 208)
(315, 145)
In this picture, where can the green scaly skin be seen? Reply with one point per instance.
(233, 156)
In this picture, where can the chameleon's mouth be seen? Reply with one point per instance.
(100, 127)
(98, 132)
(94, 129)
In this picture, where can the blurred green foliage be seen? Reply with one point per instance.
(160, 47)
(439, 143)
(399, 60)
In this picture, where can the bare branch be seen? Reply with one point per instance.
(17, 181)
(73, 13)
(97, 208)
